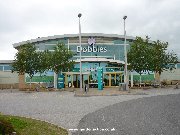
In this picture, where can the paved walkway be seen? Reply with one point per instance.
(63, 108)
(158, 115)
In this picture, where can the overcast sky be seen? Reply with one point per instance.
(21, 20)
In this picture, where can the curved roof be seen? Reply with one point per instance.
(71, 36)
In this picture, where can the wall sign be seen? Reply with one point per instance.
(60, 81)
(91, 47)
(91, 41)
(100, 78)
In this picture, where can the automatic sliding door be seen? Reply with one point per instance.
(75, 81)
(112, 79)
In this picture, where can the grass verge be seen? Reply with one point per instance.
(27, 126)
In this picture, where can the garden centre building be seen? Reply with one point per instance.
(98, 50)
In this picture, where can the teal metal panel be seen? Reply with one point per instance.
(60, 83)
(118, 42)
(178, 65)
(100, 78)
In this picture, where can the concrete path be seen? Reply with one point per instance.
(62, 108)
(157, 115)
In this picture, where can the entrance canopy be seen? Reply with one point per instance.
(100, 60)
(77, 73)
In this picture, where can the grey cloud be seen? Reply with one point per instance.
(159, 19)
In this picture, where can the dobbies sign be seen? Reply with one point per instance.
(91, 47)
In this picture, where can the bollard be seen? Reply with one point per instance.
(177, 86)
(120, 86)
(86, 88)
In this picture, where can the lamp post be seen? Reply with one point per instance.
(125, 57)
(79, 15)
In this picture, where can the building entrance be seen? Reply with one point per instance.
(110, 79)
(73, 79)
(113, 79)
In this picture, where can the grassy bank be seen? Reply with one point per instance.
(27, 126)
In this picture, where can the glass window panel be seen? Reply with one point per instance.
(1, 68)
(7, 68)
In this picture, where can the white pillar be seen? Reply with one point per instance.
(131, 79)
(79, 15)
(68, 44)
(55, 80)
(126, 77)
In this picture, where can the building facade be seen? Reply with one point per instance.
(98, 50)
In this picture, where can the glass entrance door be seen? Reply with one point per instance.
(112, 79)
(76, 80)
(106, 79)
(68, 80)
(73, 80)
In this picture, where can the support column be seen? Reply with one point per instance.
(55, 80)
(22, 83)
(131, 79)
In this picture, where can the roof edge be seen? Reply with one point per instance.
(39, 39)
(6, 61)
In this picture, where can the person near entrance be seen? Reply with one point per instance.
(86, 87)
